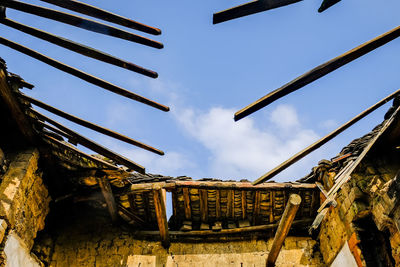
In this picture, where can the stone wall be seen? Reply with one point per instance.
(366, 205)
(24, 204)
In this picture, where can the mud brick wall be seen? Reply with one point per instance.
(24, 204)
(372, 192)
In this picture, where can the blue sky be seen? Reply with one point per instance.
(207, 72)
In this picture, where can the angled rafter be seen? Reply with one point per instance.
(318, 72)
(93, 11)
(78, 48)
(323, 140)
(82, 75)
(80, 22)
(90, 125)
(108, 195)
(89, 143)
(249, 9)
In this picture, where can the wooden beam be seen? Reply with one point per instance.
(186, 202)
(285, 223)
(13, 106)
(244, 185)
(318, 72)
(256, 207)
(244, 205)
(93, 11)
(327, 4)
(89, 143)
(81, 74)
(297, 223)
(90, 125)
(323, 140)
(80, 22)
(203, 205)
(78, 48)
(159, 205)
(106, 190)
(218, 204)
(230, 202)
(250, 8)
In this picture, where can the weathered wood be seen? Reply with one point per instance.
(266, 227)
(203, 205)
(147, 216)
(79, 48)
(174, 206)
(218, 204)
(250, 8)
(161, 214)
(90, 125)
(92, 11)
(319, 72)
(244, 185)
(82, 75)
(80, 22)
(16, 112)
(90, 144)
(186, 202)
(244, 205)
(272, 203)
(106, 190)
(256, 207)
(285, 223)
(323, 140)
(131, 215)
(230, 202)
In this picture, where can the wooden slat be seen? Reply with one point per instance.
(90, 144)
(250, 8)
(318, 72)
(96, 12)
(186, 201)
(81, 74)
(174, 206)
(90, 125)
(283, 229)
(256, 207)
(203, 205)
(244, 205)
(230, 202)
(79, 48)
(161, 214)
(272, 203)
(323, 140)
(16, 112)
(218, 205)
(108, 195)
(80, 22)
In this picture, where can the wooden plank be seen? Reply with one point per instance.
(13, 106)
(323, 140)
(218, 205)
(272, 203)
(318, 72)
(79, 48)
(131, 203)
(90, 144)
(81, 74)
(174, 206)
(96, 12)
(230, 202)
(283, 229)
(162, 221)
(244, 205)
(250, 8)
(203, 205)
(256, 207)
(245, 185)
(80, 22)
(297, 223)
(108, 197)
(186, 201)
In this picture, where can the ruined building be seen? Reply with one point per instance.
(60, 206)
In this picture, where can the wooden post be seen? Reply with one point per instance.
(106, 190)
(186, 201)
(283, 229)
(159, 204)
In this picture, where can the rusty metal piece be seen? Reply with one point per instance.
(82, 75)
(78, 48)
(318, 72)
(80, 22)
(96, 12)
(250, 8)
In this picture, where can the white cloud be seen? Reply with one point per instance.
(241, 149)
(328, 125)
